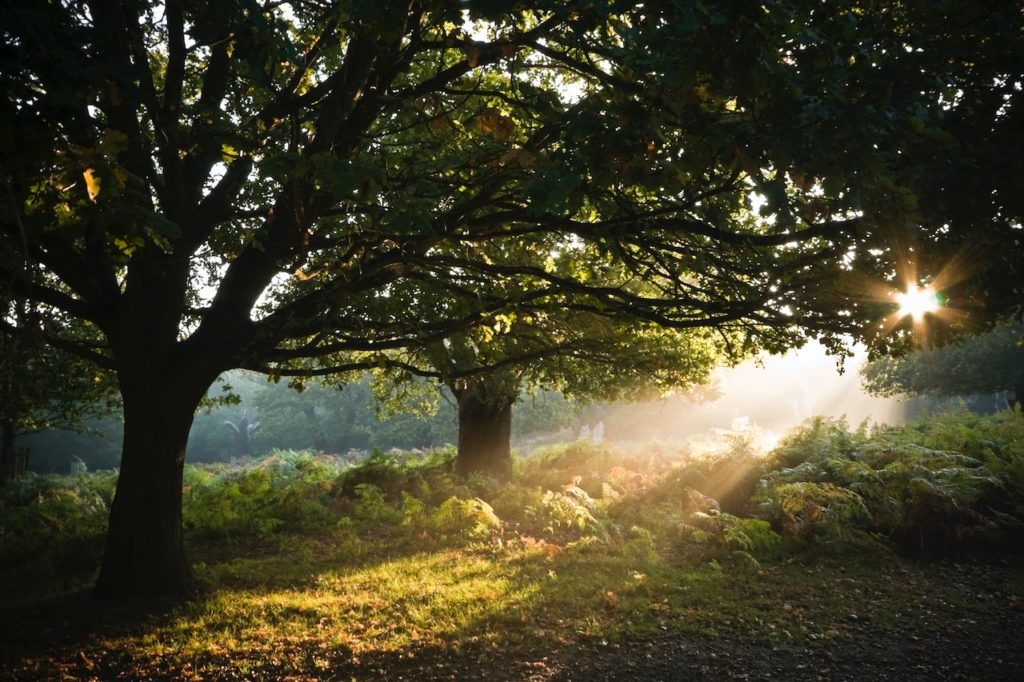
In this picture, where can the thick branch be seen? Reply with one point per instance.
(82, 350)
(217, 206)
(174, 76)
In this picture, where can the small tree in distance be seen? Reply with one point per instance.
(580, 356)
(987, 363)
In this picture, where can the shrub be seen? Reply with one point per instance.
(373, 509)
(515, 502)
(51, 531)
(719, 534)
(818, 438)
(287, 491)
(640, 546)
(571, 512)
(730, 479)
(430, 476)
(581, 461)
(949, 483)
(817, 512)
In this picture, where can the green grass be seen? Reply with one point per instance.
(306, 563)
(273, 612)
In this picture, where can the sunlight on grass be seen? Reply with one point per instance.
(442, 599)
(511, 600)
(426, 597)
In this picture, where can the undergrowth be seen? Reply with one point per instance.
(950, 484)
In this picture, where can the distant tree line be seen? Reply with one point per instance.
(986, 371)
(324, 418)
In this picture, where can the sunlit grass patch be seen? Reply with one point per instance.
(314, 612)
(445, 599)
(514, 599)
(387, 605)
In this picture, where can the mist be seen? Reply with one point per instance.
(763, 398)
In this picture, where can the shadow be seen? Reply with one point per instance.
(59, 628)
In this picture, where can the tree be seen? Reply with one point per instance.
(343, 413)
(285, 408)
(242, 432)
(43, 388)
(987, 363)
(582, 355)
(207, 186)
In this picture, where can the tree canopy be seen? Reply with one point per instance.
(304, 187)
(43, 387)
(987, 363)
(327, 165)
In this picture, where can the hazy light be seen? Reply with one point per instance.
(759, 401)
(916, 301)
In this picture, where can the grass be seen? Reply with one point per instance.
(309, 567)
(267, 614)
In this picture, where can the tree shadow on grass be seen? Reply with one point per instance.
(41, 639)
(549, 614)
(79, 636)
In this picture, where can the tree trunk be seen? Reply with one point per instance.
(144, 554)
(319, 439)
(485, 431)
(348, 423)
(9, 466)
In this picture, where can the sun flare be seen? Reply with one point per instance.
(917, 301)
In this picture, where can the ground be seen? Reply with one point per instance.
(874, 555)
(833, 620)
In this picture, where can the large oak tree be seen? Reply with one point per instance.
(209, 185)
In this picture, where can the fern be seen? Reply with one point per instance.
(461, 521)
(571, 511)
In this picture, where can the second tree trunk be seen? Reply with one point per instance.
(485, 429)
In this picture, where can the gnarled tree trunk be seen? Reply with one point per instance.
(485, 427)
(144, 553)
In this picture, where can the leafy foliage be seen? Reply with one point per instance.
(986, 363)
(470, 520)
(953, 483)
(947, 483)
(813, 512)
(716, 535)
(288, 491)
(51, 530)
(429, 475)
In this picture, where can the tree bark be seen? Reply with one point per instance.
(144, 554)
(9, 465)
(485, 430)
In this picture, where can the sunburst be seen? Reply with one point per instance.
(917, 302)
